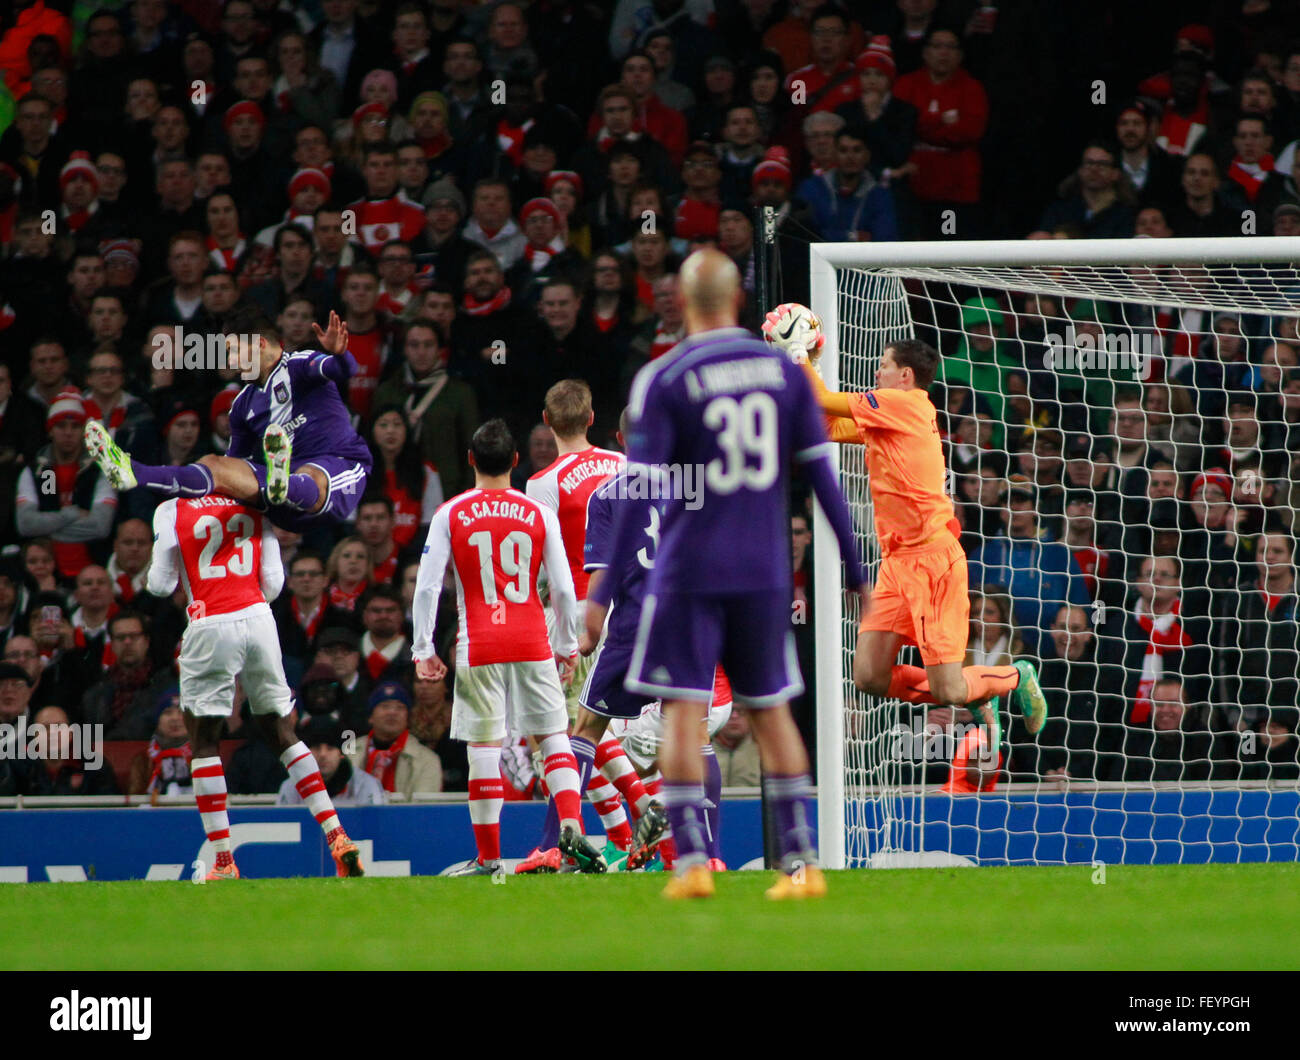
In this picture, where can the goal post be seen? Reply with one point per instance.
(1030, 301)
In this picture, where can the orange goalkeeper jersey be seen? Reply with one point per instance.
(905, 464)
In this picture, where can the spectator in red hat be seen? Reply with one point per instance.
(830, 79)
(952, 115)
(309, 190)
(255, 163)
(564, 188)
(889, 122)
(78, 192)
(545, 256)
(795, 226)
(181, 431)
(1197, 42)
(1186, 113)
(219, 419)
(80, 508)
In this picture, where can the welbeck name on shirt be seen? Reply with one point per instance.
(59, 742)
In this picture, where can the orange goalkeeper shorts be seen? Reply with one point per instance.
(921, 594)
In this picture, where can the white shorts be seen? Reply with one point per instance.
(216, 650)
(642, 736)
(528, 694)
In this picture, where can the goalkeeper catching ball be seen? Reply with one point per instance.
(920, 594)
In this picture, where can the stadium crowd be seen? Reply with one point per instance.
(496, 196)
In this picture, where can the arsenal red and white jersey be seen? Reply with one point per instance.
(496, 541)
(382, 220)
(565, 487)
(224, 554)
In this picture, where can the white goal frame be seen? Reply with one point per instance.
(923, 259)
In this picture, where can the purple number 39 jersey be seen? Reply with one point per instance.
(717, 423)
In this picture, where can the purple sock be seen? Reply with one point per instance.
(788, 798)
(550, 827)
(191, 480)
(585, 752)
(712, 799)
(686, 819)
(303, 492)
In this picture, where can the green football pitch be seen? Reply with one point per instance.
(1164, 917)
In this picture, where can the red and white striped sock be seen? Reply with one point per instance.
(487, 791)
(210, 795)
(305, 774)
(561, 770)
(606, 799)
(613, 762)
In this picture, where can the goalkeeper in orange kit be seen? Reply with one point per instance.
(920, 594)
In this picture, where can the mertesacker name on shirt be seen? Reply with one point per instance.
(501, 509)
(580, 474)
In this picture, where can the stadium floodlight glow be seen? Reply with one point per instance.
(1129, 295)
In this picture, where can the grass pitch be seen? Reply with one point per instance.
(1161, 917)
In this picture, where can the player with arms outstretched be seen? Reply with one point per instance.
(294, 403)
(497, 540)
(725, 403)
(920, 594)
(227, 558)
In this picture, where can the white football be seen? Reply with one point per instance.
(796, 329)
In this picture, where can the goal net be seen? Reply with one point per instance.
(1121, 427)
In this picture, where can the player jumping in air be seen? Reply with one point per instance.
(920, 595)
(506, 664)
(228, 559)
(293, 403)
(725, 405)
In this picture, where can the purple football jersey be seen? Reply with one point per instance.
(598, 551)
(301, 396)
(718, 421)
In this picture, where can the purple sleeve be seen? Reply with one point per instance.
(821, 476)
(599, 538)
(307, 372)
(649, 446)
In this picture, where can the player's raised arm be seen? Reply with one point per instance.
(564, 597)
(831, 402)
(813, 452)
(428, 585)
(164, 567)
(272, 564)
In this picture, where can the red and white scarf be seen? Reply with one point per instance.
(125, 587)
(539, 257)
(383, 764)
(510, 138)
(1166, 635)
(497, 302)
(1251, 175)
(116, 415)
(378, 659)
(179, 773)
(226, 259)
(344, 600)
(312, 622)
(665, 341)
